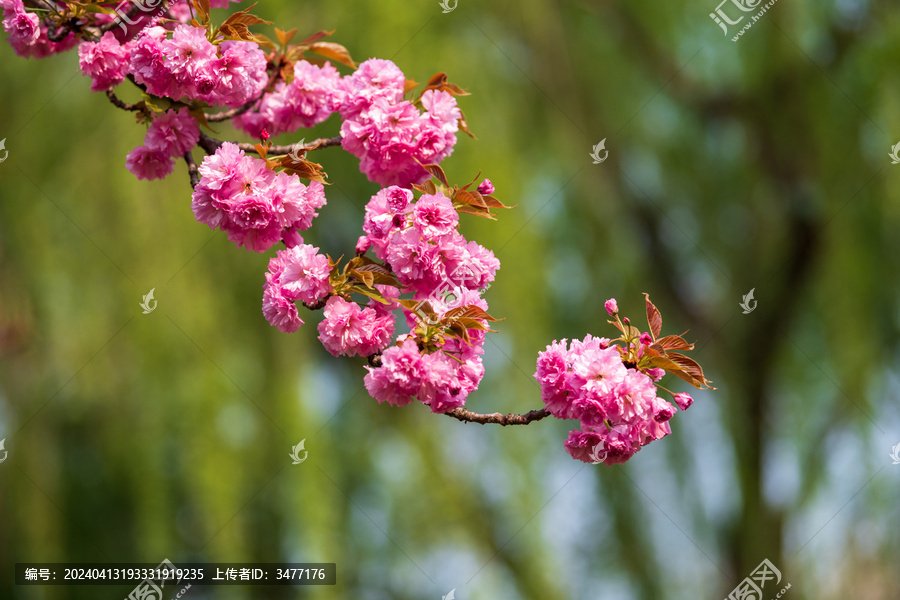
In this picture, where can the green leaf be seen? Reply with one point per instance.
(157, 105)
(373, 294)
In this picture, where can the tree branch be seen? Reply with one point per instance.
(192, 169)
(211, 144)
(119, 103)
(234, 112)
(467, 416)
(230, 114)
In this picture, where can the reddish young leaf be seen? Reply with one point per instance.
(410, 85)
(478, 212)
(334, 52)
(673, 342)
(202, 7)
(426, 188)
(437, 172)
(470, 198)
(304, 168)
(316, 37)
(654, 319)
(464, 125)
(437, 80)
(691, 368)
(244, 17)
(285, 37)
(494, 203)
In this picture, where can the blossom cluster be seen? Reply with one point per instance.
(170, 135)
(421, 243)
(389, 135)
(616, 403)
(424, 270)
(297, 274)
(28, 34)
(309, 99)
(189, 65)
(177, 59)
(186, 66)
(253, 204)
(441, 380)
(433, 261)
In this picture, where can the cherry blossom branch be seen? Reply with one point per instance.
(467, 416)
(315, 144)
(211, 144)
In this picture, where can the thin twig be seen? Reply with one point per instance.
(230, 114)
(119, 103)
(234, 112)
(211, 144)
(467, 416)
(313, 145)
(192, 169)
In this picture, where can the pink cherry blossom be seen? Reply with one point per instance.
(385, 215)
(173, 132)
(617, 405)
(24, 28)
(399, 377)
(148, 62)
(391, 137)
(28, 33)
(255, 206)
(375, 78)
(189, 65)
(105, 62)
(302, 273)
(279, 311)
(146, 163)
(435, 217)
(350, 331)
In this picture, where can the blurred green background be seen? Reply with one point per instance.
(758, 164)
